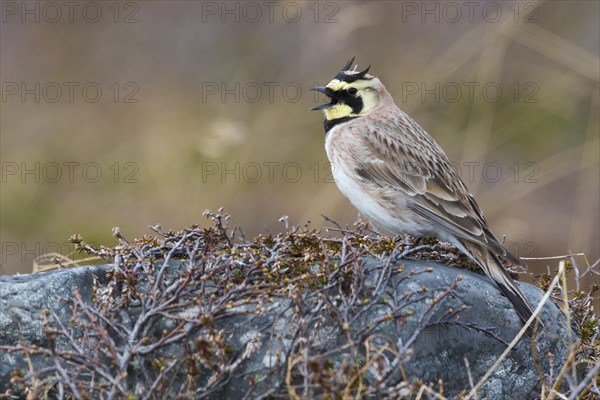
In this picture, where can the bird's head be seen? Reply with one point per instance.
(352, 94)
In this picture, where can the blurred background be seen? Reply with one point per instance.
(130, 114)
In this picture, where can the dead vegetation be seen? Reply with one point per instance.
(221, 274)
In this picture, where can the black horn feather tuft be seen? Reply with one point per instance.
(349, 76)
(363, 73)
(348, 64)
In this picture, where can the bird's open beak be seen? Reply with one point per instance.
(327, 92)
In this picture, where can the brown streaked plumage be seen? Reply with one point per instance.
(399, 177)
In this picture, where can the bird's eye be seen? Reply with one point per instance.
(352, 91)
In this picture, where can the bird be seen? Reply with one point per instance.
(399, 177)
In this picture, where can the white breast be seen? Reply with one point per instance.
(346, 180)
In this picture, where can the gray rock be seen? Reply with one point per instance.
(423, 335)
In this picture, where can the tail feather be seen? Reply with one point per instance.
(493, 267)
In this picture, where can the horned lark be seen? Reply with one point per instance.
(400, 178)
